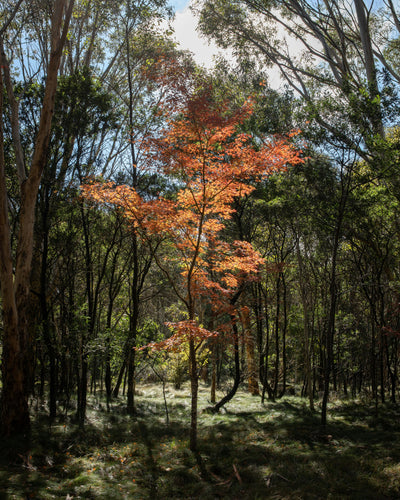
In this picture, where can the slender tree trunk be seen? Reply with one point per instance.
(394, 371)
(214, 352)
(119, 379)
(277, 328)
(329, 334)
(306, 325)
(107, 376)
(134, 317)
(194, 386)
(266, 385)
(236, 381)
(213, 391)
(382, 367)
(82, 390)
(50, 344)
(250, 354)
(112, 293)
(90, 314)
(130, 393)
(257, 309)
(284, 331)
(330, 328)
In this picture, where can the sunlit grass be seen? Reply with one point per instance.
(249, 450)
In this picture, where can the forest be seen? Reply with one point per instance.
(199, 270)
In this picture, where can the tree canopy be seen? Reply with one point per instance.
(164, 221)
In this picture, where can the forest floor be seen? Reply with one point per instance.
(249, 450)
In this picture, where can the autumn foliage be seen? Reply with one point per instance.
(211, 163)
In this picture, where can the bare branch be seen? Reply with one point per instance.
(11, 17)
(15, 128)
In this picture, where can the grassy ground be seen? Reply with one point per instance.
(250, 451)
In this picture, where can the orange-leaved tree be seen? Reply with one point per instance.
(211, 163)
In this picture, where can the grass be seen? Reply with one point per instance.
(249, 450)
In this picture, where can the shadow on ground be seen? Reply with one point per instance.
(248, 451)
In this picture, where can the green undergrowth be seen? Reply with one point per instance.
(248, 451)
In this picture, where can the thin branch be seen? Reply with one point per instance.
(11, 17)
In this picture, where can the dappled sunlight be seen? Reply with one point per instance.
(248, 449)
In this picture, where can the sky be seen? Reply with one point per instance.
(185, 33)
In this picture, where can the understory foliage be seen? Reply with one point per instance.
(212, 164)
(167, 224)
(251, 451)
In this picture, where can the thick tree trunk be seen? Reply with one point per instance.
(15, 291)
(14, 407)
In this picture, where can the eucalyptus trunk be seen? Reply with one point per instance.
(15, 289)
